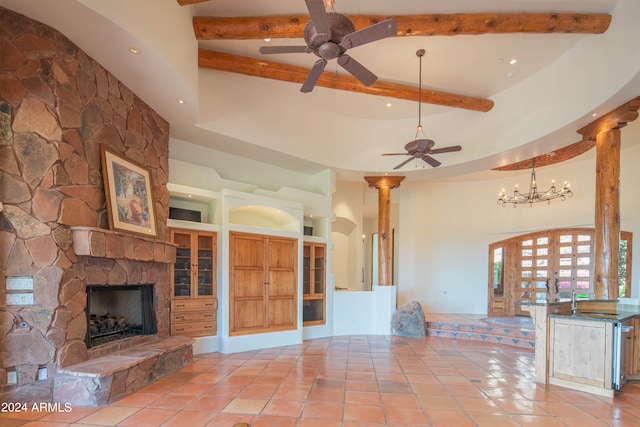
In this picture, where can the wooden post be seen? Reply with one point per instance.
(607, 220)
(606, 132)
(384, 184)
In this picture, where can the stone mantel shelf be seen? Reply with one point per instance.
(101, 243)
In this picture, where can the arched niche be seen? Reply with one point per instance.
(264, 217)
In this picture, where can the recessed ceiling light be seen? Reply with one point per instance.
(511, 74)
(135, 50)
(594, 114)
(389, 104)
(500, 60)
(513, 61)
(180, 101)
(267, 39)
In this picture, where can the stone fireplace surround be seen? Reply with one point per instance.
(62, 105)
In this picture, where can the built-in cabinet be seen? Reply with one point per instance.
(194, 302)
(314, 284)
(263, 273)
(581, 354)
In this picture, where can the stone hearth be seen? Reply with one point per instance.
(105, 379)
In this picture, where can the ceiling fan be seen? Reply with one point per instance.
(329, 35)
(422, 148)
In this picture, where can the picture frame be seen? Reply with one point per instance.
(129, 194)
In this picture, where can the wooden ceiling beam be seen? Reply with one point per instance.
(615, 119)
(291, 73)
(292, 26)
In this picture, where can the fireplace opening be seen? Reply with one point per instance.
(120, 311)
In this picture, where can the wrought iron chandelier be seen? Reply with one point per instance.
(534, 196)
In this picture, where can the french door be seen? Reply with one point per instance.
(545, 266)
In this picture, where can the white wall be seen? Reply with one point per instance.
(447, 226)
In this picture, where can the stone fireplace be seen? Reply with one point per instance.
(55, 241)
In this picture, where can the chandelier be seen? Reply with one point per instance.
(534, 196)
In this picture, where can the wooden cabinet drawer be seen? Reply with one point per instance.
(194, 305)
(194, 329)
(193, 316)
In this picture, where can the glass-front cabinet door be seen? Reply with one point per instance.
(314, 284)
(194, 272)
(205, 265)
(182, 267)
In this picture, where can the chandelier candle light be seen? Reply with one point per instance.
(533, 196)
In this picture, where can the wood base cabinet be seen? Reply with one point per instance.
(194, 304)
(262, 283)
(195, 318)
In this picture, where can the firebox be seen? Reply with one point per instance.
(119, 311)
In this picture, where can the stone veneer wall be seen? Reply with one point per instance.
(61, 105)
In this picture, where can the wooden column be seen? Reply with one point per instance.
(607, 221)
(384, 184)
(606, 132)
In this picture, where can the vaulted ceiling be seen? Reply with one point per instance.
(574, 59)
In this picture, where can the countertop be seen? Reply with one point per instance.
(620, 316)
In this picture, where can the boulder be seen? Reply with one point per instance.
(408, 321)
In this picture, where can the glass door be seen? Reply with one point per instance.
(182, 266)
(573, 265)
(206, 266)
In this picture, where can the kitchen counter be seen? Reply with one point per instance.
(576, 350)
(598, 317)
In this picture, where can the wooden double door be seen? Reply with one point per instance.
(263, 274)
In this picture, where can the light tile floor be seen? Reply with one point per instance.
(356, 381)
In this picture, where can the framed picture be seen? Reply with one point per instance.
(129, 194)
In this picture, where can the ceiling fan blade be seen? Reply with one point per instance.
(313, 76)
(396, 154)
(404, 163)
(433, 162)
(357, 70)
(446, 149)
(381, 30)
(283, 49)
(319, 17)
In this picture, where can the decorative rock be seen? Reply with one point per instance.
(409, 321)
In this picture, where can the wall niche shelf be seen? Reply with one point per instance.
(194, 200)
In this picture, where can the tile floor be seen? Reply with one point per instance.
(357, 381)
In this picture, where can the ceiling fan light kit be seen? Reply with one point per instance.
(421, 148)
(534, 196)
(329, 35)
